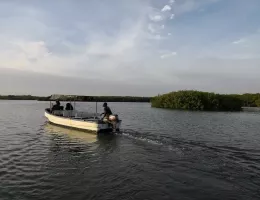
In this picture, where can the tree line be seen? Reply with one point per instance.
(19, 97)
(183, 99)
(106, 99)
(80, 98)
(250, 100)
(205, 101)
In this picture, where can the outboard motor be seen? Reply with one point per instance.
(113, 118)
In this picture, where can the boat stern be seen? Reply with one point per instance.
(109, 126)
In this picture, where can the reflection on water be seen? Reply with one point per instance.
(62, 137)
(82, 136)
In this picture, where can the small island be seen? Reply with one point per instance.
(205, 101)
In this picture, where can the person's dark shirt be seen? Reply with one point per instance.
(69, 107)
(107, 111)
(55, 107)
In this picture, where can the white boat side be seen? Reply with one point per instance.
(91, 124)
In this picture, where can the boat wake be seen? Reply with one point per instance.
(163, 144)
(184, 147)
(142, 137)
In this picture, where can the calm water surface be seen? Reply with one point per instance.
(160, 154)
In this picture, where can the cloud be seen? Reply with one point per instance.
(156, 18)
(166, 8)
(208, 73)
(21, 54)
(187, 6)
(158, 25)
(239, 41)
(13, 81)
(171, 2)
(155, 28)
(61, 53)
(156, 37)
(168, 55)
(32, 50)
(133, 43)
(151, 28)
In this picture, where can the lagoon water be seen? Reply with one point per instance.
(160, 154)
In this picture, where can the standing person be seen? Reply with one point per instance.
(107, 111)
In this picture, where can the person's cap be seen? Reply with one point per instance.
(105, 104)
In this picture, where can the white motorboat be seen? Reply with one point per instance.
(81, 120)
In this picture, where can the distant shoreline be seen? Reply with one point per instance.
(80, 98)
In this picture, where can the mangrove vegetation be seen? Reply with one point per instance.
(205, 101)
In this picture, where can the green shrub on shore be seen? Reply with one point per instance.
(250, 100)
(196, 100)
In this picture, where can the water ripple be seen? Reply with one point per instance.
(159, 154)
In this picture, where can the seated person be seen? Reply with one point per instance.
(69, 106)
(56, 106)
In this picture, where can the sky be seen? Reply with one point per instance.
(123, 47)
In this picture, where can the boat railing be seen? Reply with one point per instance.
(57, 112)
(82, 114)
(74, 114)
(69, 113)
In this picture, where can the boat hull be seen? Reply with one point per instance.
(80, 124)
